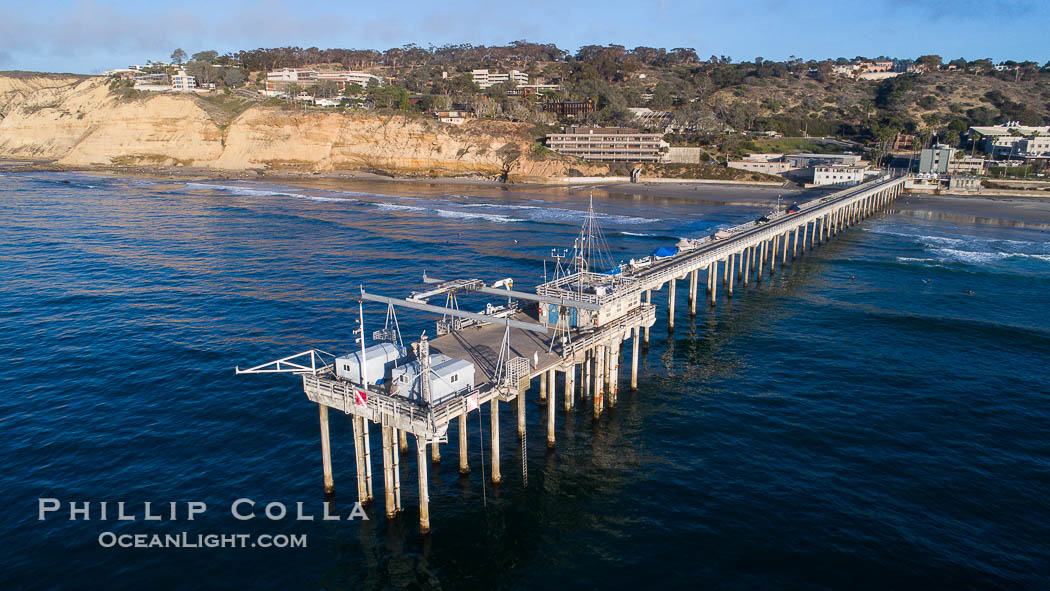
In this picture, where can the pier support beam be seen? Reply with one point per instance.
(634, 359)
(521, 414)
(543, 387)
(435, 453)
(494, 428)
(402, 444)
(648, 300)
(368, 458)
(774, 243)
(794, 245)
(550, 386)
(732, 274)
(570, 387)
(714, 283)
(694, 279)
(784, 239)
(424, 493)
(672, 287)
(725, 271)
(746, 264)
(390, 503)
(359, 458)
(552, 393)
(464, 466)
(326, 451)
(588, 363)
(395, 458)
(760, 267)
(599, 380)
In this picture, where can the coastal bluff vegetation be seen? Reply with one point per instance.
(72, 121)
(75, 121)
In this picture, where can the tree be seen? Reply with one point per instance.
(205, 56)
(931, 62)
(232, 77)
(178, 56)
(202, 71)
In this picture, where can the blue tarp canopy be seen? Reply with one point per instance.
(665, 251)
(614, 271)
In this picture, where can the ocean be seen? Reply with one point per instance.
(875, 416)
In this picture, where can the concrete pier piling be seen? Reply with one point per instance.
(521, 415)
(599, 380)
(714, 283)
(648, 301)
(570, 387)
(550, 385)
(672, 286)
(390, 502)
(368, 458)
(588, 362)
(326, 451)
(359, 458)
(424, 493)
(634, 359)
(464, 465)
(494, 428)
(732, 274)
(746, 265)
(694, 279)
(551, 393)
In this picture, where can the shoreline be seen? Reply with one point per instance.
(709, 191)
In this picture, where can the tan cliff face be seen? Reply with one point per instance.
(84, 124)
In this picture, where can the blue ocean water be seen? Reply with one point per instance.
(874, 416)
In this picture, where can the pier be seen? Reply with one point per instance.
(576, 324)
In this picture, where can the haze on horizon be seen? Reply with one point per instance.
(90, 36)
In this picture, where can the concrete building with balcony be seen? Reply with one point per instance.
(182, 82)
(279, 81)
(609, 144)
(485, 78)
(1012, 139)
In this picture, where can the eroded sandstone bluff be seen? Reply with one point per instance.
(79, 122)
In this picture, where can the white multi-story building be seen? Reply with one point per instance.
(1013, 139)
(182, 82)
(843, 175)
(279, 81)
(485, 79)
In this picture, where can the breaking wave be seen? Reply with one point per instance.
(250, 192)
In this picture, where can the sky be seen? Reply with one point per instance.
(89, 36)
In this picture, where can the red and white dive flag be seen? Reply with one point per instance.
(360, 397)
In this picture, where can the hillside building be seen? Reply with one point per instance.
(839, 175)
(485, 79)
(182, 82)
(279, 81)
(609, 144)
(1012, 139)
